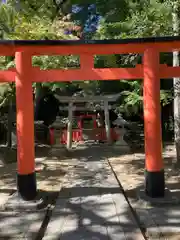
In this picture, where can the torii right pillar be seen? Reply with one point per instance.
(154, 176)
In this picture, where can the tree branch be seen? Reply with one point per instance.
(59, 5)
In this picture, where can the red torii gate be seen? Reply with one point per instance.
(151, 71)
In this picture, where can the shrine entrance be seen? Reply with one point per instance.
(86, 125)
(24, 74)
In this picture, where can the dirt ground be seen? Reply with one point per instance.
(158, 222)
(50, 171)
(132, 165)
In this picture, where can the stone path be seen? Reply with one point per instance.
(91, 204)
(24, 222)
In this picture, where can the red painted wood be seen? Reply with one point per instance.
(25, 116)
(152, 111)
(7, 75)
(90, 48)
(169, 72)
(84, 74)
(150, 71)
(77, 135)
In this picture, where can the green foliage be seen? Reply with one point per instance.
(7, 20)
(35, 8)
(142, 19)
(7, 90)
(56, 62)
(132, 98)
(166, 97)
(25, 24)
(25, 19)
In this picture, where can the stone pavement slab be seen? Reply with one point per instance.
(20, 225)
(91, 205)
(167, 219)
(21, 219)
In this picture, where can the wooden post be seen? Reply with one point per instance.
(107, 122)
(10, 125)
(69, 127)
(26, 178)
(155, 184)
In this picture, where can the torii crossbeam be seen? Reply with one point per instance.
(24, 74)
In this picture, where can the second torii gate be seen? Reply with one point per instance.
(151, 71)
(76, 99)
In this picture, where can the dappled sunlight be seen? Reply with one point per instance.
(94, 218)
(50, 174)
(90, 204)
(19, 224)
(158, 221)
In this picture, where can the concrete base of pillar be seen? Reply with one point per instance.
(16, 203)
(122, 145)
(58, 147)
(27, 186)
(155, 183)
(168, 199)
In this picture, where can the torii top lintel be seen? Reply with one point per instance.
(86, 50)
(138, 45)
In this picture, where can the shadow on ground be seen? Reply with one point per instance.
(93, 218)
(85, 209)
(36, 223)
(160, 222)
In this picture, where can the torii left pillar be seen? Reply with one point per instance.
(26, 178)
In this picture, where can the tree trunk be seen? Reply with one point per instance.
(38, 91)
(17, 5)
(9, 125)
(38, 95)
(176, 83)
